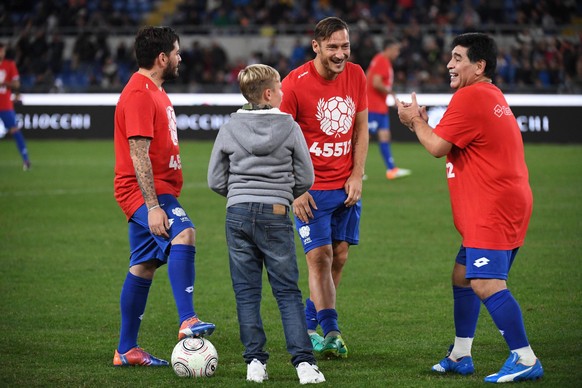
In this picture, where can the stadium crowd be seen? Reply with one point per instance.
(541, 40)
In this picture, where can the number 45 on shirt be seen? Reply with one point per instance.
(175, 162)
(331, 149)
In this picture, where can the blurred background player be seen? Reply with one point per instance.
(148, 181)
(491, 201)
(380, 75)
(10, 83)
(328, 99)
(261, 163)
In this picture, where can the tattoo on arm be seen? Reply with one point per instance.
(139, 152)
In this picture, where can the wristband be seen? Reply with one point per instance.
(153, 207)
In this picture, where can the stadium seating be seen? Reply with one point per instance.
(541, 48)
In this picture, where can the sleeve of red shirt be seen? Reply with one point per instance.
(456, 126)
(379, 67)
(139, 115)
(289, 102)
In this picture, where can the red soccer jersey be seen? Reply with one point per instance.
(380, 65)
(8, 73)
(144, 110)
(487, 176)
(326, 112)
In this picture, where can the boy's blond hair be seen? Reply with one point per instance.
(254, 79)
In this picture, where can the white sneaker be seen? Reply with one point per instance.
(309, 374)
(257, 371)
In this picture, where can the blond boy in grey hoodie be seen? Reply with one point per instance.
(261, 163)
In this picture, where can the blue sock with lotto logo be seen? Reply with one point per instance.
(134, 295)
(310, 315)
(466, 311)
(181, 272)
(21, 145)
(506, 314)
(386, 151)
(327, 319)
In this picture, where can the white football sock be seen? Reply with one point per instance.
(526, 355)
(461, 348)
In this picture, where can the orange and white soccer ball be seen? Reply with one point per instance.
(194, 357)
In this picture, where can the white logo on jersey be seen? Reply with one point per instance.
(481, 262)
(500, 110)
(172, 126)
(336, 115)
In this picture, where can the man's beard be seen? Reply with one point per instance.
(170, 73)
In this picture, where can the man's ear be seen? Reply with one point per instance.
(314, 46)
(481, 65)
(163, 59)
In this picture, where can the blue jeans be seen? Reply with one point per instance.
(255, 236)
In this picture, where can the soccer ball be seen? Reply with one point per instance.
(194, 357)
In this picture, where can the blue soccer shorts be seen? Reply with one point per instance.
(333, 220)
(486, 263)
(378, 121)
(8, 117)
(144, 245)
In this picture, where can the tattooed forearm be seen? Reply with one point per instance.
(139, 152)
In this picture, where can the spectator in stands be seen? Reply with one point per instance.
(56, 50)
(298, 54)
(412, 25)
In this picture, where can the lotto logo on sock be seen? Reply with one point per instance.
(481, 262)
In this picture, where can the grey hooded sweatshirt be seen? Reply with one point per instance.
(260, 156)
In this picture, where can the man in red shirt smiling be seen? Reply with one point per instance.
(491, 201)
(327, 97)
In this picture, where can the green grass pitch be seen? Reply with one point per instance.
(64, 249)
